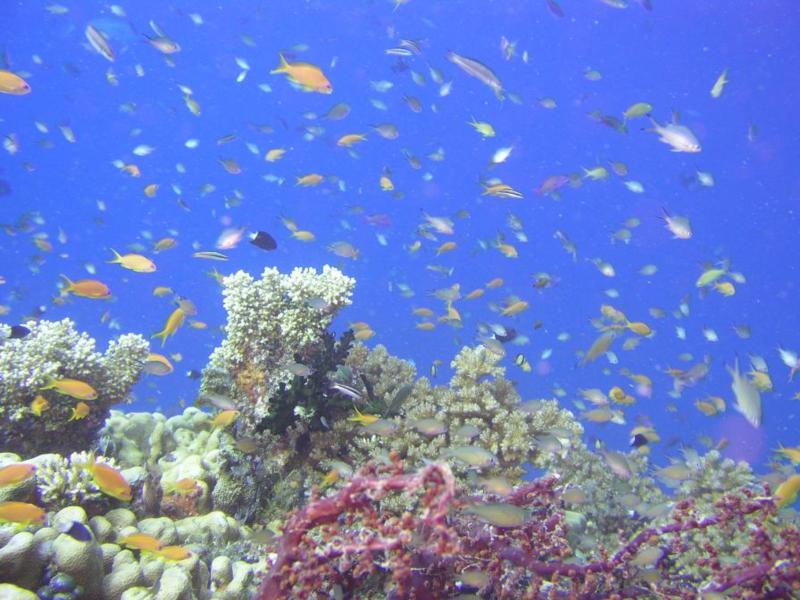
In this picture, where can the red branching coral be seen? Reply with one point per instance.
(348, 542)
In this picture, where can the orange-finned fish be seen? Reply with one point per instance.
(307, 76)
(80, 411)
(86, 288)
(109, 480)
(16, 473)
(21, 513)
(74, 388)
(13, 84)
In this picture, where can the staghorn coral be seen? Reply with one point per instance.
(272, 323)
(53, 350)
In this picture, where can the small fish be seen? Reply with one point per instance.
(99, 42)
(210, 255)
(14, 474)
(309, 77)
(785, 494)
(748, 398)
(473, 456)
(141, 541)
(13, 84)
(86, 288)
(73, 388)
(80, 411)
(157, 364)
(109, 480)
(499, 514)
(174, 321)
(134, 262)
(225, 418)
(263, 240)
(173, 553)
(679, 137)
(478, 70)
(719, 84)
(680, 227)
(39, 404)
(21, 513)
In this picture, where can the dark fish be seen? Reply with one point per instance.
(509, 335)
(555, 8)
(638, 440)
(216, 400)
(263, 240)
(193, 374)
(77, 530)
(5, 188)
(18, 332)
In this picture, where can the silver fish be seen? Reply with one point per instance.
(679, 137)
(477, 70)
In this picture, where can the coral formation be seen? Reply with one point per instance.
(97, 564)
(274, 323)
(54, 350)
(198, 467)
(343, 545)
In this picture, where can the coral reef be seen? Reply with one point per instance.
(95, 563)
(197, 467)
(274, 324)
(55, 350)
(343, 545)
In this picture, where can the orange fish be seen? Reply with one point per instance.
(184, 486)
(15, 473)
(14, 84)
(307, 76)
(109, 480)
(141, 541)
(86, 288)
(21, 513)
(74, 388)
(174, 553)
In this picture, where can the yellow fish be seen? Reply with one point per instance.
(134, 262)
(174, 321)
(350, 139)
(13, 84)
(786, 493)
(72, 387)
(310, 180)
(307, 76)
(362, 418)
(39, 405)
(224, 418)
(274, 155)
(80, 411)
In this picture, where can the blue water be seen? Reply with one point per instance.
(669, 57)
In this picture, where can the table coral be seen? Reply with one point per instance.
(54, 350)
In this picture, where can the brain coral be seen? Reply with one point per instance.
(55, 350)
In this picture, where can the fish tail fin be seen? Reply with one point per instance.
(162, 335)
(283, 67)
(117, 257)
(69, 287)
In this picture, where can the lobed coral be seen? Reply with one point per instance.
(54, 350)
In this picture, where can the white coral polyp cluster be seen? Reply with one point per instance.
(55, 349)
(62, 481)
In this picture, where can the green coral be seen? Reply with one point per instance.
(54, 350)
(272, 322)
